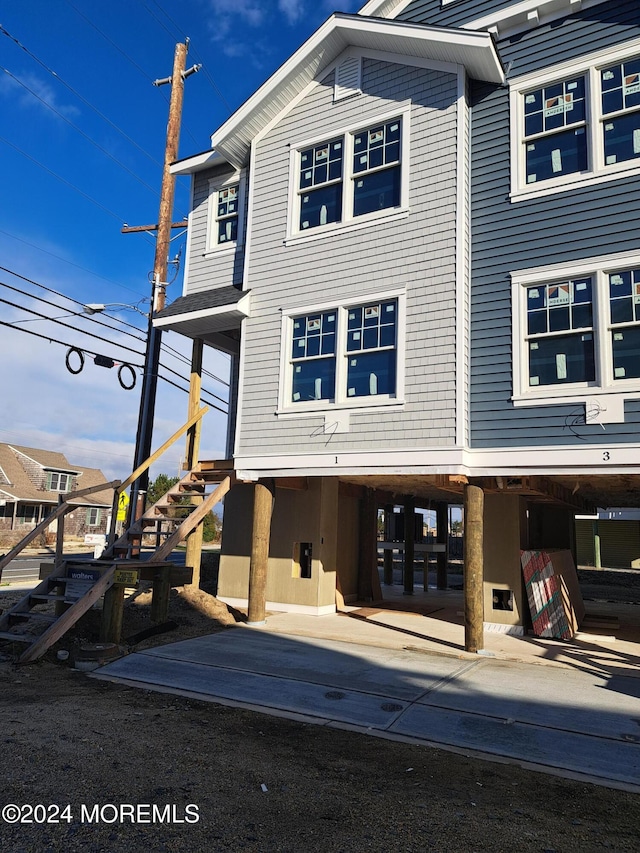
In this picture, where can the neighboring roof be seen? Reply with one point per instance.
(48, 459)
(21, 488)
(474, 50)
(206, 312)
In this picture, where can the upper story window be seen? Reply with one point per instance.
(320, 184)
(345, 355)
(57, 482)
(580, 126)
(577, 328)
(350, 178)
(225, 212)
(555, 130)
(621, 111)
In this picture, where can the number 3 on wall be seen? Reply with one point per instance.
(606, 456)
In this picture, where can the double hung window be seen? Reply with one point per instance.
(579, 333)
(57, 482)
(225, 212)
(347, 354)
(582, 125)
(560, 332)
(350, 176)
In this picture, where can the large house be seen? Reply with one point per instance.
(419, 242)
(32, 482)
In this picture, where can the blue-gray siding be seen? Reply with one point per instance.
(417, 252)
(563, 227)
(208, 270)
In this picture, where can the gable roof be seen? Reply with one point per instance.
(20, 487)
(474, 50)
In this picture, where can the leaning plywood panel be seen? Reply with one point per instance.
(544, 593)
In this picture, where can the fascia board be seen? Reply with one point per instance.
(239, 309)
(197, 163)
(383, 8)
(528, 14)
(474, 50)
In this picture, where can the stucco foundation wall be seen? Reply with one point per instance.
(298, 516)
(503, 518)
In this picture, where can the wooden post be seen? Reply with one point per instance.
(368, 552)
(160, 595)
(442, 538)
(59, 537)
(261, 534)
(409, 543)
(597, 554)
(112, 610)
(193, 555)
(473, 568)
(388, 552)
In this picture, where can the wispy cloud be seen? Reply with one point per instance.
(291, 9)
(30, 91)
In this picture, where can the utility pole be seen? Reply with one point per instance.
(159, 284)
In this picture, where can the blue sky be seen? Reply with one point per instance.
(82, 132)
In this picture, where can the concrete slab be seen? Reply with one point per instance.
(578, 722)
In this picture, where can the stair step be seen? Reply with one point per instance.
(47, 596)
(17, 638)
(30, 614)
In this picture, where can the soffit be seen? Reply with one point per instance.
(475, 51)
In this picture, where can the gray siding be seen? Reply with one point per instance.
(417, 252)
(562, 227)
(454, 15)
(215, 269)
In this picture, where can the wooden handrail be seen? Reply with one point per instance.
(62, 509)
(148, 462)
(111, 537)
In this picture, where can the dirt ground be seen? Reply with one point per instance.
(235, 780)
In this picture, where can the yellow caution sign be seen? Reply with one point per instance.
(123, 505)
(127, 577)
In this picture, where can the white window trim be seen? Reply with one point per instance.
(588, 66)
(598, 268)
(216, 184)
(348, 222)
(90, 510)
(290, 409)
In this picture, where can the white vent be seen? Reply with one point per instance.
(348, 78)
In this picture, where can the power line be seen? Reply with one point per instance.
(76, 93)
(97, 337)
(66, 325)
(56, 341)
(172, 352)
(81, 132)
(66, 261)
(73, 314)
(179, 29)
(120, 219)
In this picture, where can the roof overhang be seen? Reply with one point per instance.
(197, 163)
(201, 314)
(527, 14)
(473, 50)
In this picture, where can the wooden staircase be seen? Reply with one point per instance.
(20, 624)
(168, 522)
(176, 514)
